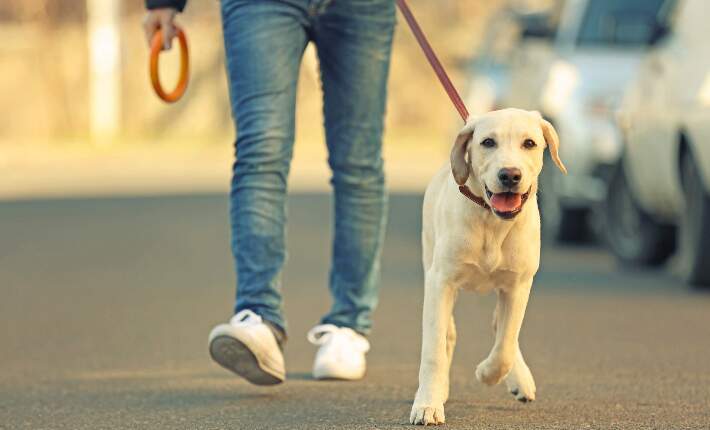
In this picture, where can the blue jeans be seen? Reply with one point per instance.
(264, 43)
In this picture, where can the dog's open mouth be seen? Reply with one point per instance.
(508, 204)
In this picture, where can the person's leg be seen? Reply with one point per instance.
(264, 42)
(354, 40)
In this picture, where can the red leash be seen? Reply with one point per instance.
(433, 60)
(445, 81)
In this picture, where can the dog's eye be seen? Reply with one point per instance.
(529, 144)
(488, 143)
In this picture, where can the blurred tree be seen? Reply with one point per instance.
(64, 11)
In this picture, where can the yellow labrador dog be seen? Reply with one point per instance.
(481, 232)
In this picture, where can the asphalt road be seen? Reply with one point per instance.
(105, 307)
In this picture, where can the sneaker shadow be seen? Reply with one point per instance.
(299, 376)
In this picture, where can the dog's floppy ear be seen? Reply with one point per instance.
(459, 165)
(553, 143)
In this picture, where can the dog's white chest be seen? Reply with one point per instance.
(485, 264)
(489, 258)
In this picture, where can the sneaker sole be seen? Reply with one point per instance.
(233, 355)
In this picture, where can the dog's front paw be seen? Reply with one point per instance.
(520, 383)
(492, 371)
(427, 415)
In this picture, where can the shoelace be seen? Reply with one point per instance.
(329, 333)
(245, 317)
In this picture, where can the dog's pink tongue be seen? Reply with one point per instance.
(506, 202)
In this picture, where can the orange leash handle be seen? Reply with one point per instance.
(155, 48)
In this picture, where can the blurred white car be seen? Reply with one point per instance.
(663, 180)
(513, 32)
(577, 84)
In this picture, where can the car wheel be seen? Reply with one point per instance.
(559, 224)
(694, 225)
(632, 235)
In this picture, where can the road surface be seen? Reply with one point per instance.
(105, 307)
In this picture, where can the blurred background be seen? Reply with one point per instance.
(627, 86)
(114, 238)
(81, 68)
(625, 83)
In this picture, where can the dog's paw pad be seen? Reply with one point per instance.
(522, 397)
(521, 384)
(427, 415)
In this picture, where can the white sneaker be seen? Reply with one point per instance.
(248, 347)
(341, 354)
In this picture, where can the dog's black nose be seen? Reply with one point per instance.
(509, 176)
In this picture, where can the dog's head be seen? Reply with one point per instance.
(503, 151)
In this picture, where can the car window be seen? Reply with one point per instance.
(620, 22)
(505, 31)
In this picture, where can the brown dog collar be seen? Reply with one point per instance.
(466, 191)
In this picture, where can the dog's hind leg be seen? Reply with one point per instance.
(450, 345)
(451, 339)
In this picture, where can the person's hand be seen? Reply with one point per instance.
(163, 19)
